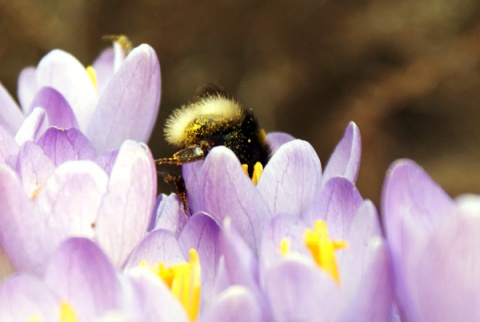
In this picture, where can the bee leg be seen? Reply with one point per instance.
(179, 183)
(173, 161)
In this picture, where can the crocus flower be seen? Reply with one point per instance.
(434, 243)
(119, 101)
(60, 188)
(290, 182)
(81, 284)
(215, 299)
(291, 279)
(200, 232)
(334, 269)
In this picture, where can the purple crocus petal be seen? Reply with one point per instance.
(299, 291)
(8, 147)
(82, 275)
(337, 204)
(66, 145)
(62, 201)
(126, 208)
(371, 295)
(59, 112)
(222, 280)
(413, 206)
(202, 234)
(365, 224)
(277, 139)
(345, 160)
(241, 266)
(119, 55)
(82, 180)
(155, 298)
(10, 115)
(191, 176)
(103, 67)
(27, 87)
(159, 246)
(24, 297)
(170, 215)
(129, 104)
(444, 283)
(291, 179)
(35, 124)
(228, 192)
(282, 226)
(354, 261)
(22, 234)
(235, 304)
(409, 192)
(62, 71)
(33, 167)
(107, 160)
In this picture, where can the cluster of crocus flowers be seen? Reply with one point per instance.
(90, 240)
(272, 237)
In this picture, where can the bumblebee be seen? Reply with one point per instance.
(213, 119)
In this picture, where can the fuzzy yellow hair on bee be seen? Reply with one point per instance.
(216, 110)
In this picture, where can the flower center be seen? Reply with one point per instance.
(184, 282)
(257, 171)
(323, 249)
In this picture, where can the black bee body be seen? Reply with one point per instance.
(214, 119)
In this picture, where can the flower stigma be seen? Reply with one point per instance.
(67, 314)
(285, 246)
(36, 192)
(257, 171)
(323, 248)
(92, 74)
(183, 280)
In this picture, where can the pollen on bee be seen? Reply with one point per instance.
(191, 116)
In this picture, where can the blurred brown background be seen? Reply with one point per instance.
(407, 72)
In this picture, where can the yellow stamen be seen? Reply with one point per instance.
(36, 192)
(34, 318)
(285, 246)
(92, 74)
(245, 168)
(323, 249)
(67, 314)
(257, 171)
(184, 281)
